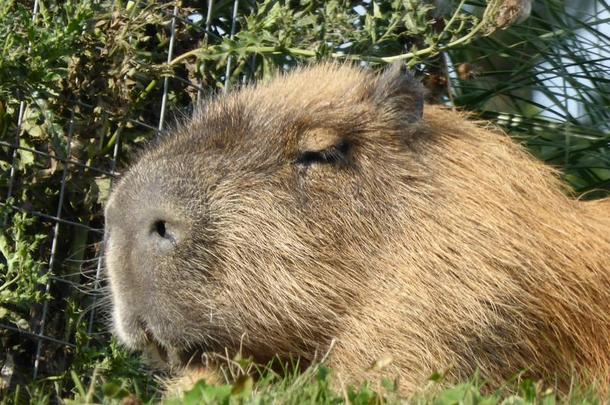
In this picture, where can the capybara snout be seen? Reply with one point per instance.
(327, 207)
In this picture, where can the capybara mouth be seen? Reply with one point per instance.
(175, 357)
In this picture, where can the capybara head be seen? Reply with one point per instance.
(327, 208)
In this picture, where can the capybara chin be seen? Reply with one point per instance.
(328, 207)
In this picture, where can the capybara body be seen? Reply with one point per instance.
(324, 213)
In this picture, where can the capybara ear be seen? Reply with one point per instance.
(397, 89)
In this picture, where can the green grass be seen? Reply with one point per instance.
(316, 385)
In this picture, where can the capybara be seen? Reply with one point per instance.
(326, 212)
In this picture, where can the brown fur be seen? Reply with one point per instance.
(434, 241)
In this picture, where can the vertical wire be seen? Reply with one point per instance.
(62, 189)
(232, 35)
(20, 116)
(208, 26)
(170, 52)
(98, 269)
(13, 171)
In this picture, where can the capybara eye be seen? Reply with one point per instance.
(336, 154)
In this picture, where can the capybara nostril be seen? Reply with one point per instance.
(164, 233)
(160, 229)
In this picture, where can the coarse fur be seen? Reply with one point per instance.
(322, 209)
